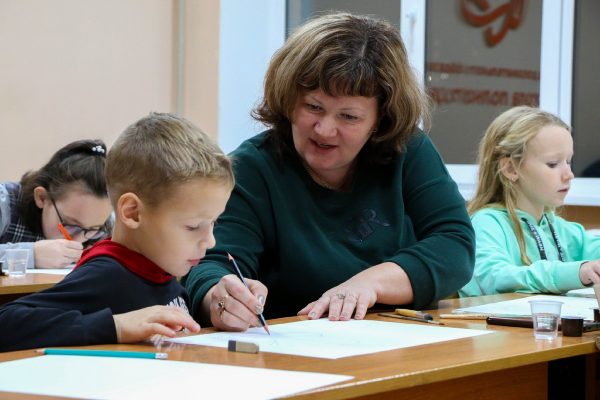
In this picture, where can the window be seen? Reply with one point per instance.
(480, 61)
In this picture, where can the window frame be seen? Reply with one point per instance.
(235, 101)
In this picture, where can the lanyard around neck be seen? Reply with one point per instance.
(540, 244)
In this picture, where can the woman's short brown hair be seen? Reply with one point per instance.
(346, 55)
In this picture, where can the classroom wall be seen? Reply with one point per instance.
(75, 69)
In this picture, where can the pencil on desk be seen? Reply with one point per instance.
(465, 316)
(103, 353)
(519, 322)
(239, 274)
(426, 321)
(413, 313)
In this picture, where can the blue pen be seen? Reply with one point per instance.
(239, 274)
(104, 353)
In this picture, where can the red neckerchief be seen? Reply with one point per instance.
(132, 260)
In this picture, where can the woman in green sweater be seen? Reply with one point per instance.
(522, 245)
(343, 202)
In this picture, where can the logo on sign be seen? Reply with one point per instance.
(479, 13)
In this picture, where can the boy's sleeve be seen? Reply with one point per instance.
(64, 315)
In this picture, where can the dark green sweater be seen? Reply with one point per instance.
(301, 239)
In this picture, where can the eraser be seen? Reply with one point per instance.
(242, 347)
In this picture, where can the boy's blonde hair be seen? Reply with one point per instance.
(507, 137)
(159, 151)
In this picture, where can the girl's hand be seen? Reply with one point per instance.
(56, 253)
(589, 272)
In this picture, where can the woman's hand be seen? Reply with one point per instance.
(385, 283)
(231, 306)
(56, 253)
(589, 272)
(354, 296)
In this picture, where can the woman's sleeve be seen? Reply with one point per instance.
(441, 261)
(498, 268)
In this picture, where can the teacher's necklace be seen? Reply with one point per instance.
(318, 180)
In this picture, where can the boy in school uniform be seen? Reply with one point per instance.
(168, 183)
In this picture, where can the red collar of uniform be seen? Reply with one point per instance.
(132, 260)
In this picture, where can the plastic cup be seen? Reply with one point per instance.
(16, 261)
(545, 315)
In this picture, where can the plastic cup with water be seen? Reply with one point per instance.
(545, 315)
(16, 261)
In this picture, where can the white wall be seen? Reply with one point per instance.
(250, 33)
(74, 69)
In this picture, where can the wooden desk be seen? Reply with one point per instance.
(587, 216)
(13, 287)
(508, 364)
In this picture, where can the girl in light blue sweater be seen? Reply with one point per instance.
(522, 245)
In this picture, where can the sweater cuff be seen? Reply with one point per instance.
(567, 277)
(199, 297)
(420, 279)
(99, 327)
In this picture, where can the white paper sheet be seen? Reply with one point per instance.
(129, 378)
(326, 339)
(585, 292)
(572, 306)
(595, 232)
(51, 271)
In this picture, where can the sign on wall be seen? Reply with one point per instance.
(483, 57)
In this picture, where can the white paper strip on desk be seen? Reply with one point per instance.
(572, 306)
(129, 378)
(335, 339)
(585, 292)
(51, 271)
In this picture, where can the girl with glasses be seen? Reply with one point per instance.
(56, 210)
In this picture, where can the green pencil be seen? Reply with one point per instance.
(104, 353)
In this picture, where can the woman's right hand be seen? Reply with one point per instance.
(56, 253)
(231, 306)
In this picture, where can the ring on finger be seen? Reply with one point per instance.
(221, 303)
(221, 312)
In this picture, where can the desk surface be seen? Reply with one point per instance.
(504, 358)
(29, 283)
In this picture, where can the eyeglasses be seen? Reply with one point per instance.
(95, 232)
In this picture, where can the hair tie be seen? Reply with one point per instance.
(98, 150)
